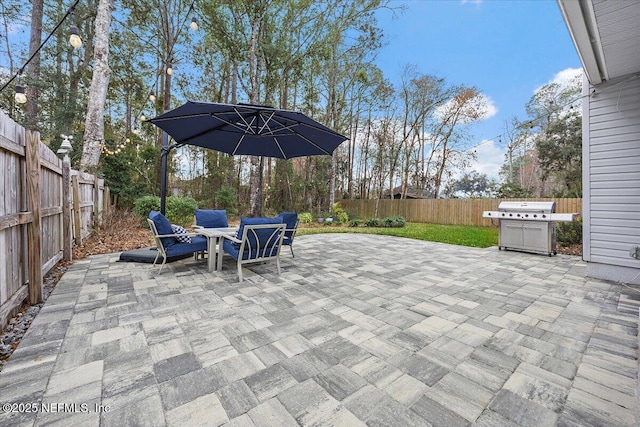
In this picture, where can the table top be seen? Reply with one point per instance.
(217, 232)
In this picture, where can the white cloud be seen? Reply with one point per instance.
(490, 108)
(490, 159)
(564, 78)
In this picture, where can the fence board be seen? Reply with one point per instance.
(16, 214)
(443, 211)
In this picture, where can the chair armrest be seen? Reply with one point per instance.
(176, 235)
(197, 227)
(233, 239)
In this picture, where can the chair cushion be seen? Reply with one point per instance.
(255, 221)
(163, 226)
(209, 218)
(289, 218)
(233, 249)
(198, 243)
(182, 234)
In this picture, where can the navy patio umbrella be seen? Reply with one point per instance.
(245, 129)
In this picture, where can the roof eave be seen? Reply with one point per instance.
(580, 20)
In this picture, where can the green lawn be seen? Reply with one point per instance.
(480, 237)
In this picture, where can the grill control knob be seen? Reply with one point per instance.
(544, 216)
(535, 216)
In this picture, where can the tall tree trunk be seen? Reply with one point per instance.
(33, 69)
(94, 123)
(255, 171)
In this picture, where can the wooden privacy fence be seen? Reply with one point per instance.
(44, 207)
(442, 211)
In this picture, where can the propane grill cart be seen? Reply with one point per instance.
(528, 226)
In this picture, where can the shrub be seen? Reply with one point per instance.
(340, 214)
(305, 218)
(180, 210)
(143, 205)
(354, 223)
(393, 221)
(373, 222)
(226, 199)
(569, 233)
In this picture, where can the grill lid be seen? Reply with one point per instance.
(536, 207)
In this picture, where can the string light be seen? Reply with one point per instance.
(169, 69)
(152, 96)
(74, 38)
(20, 96)
(194, 24)
(17, 96)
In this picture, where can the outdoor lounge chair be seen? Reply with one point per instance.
(167, 240)
(210, 218)
(258, 240)
(291, 219)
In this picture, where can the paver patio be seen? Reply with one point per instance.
(357, 330)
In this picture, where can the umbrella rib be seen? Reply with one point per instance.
(266, 123)
(246, 123)
(186, 116)
(284, 156)
(233, 153)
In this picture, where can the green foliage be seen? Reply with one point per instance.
(355, 223)
(472, 184)
(226, 198)
(389, 222)
(373, 222)
(569, 233)
(121, 175)
(305, 218)
(512, 190)
(180, 210)
(143, 205)
(340, 214)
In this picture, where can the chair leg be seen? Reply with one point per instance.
(278, 264)
(291, 247)
(162, 266)
(239, 270)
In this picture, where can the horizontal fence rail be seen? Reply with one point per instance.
(37, 220)
(443, 211)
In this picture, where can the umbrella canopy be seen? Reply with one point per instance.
(246, 129)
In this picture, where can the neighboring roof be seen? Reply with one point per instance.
(412, 193)
(606, 35)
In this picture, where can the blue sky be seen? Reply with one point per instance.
(505, 48)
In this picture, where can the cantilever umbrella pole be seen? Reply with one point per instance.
(163, 172)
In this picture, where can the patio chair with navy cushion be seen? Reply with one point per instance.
(291, 220)
(172, 240)
(211, 218)
(258, 240)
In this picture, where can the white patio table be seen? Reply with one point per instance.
(215, 238)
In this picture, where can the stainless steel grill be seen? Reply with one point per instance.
(528, 226)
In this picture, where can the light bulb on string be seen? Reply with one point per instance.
(152, 96)
(128, 140)
(20, 96)
(194, 24)
(74, 37)
(142, 117)
(169, 69)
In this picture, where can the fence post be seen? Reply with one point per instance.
(96, 210)
(76, 209)
(34, 245)
(66, 209)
